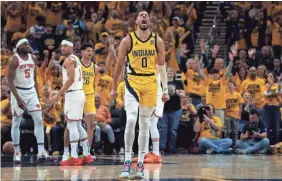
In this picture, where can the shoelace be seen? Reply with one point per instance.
(139, 168)
(126, 167)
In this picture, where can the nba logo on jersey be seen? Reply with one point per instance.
(152, 42)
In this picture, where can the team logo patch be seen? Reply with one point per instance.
(152, 42)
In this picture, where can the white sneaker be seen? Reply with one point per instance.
(17, 158)
(65, 156)
(44, 156)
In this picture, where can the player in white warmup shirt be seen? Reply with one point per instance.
(23, 84)
(74, 104)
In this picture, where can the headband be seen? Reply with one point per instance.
(21, 42)
(66, 42)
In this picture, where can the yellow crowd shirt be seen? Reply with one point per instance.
(120, 94)
(195, 84)
(255, 88)
(4, 117)
(215, 91)
(233, 102)
(208, 132)
(103, 85)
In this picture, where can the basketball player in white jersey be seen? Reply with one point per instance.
(23, 84)
(74, 103)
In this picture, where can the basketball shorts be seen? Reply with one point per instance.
(74, 104)
(89, 106)
(29, 97)
(143, 89)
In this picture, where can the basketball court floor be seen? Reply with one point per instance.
(178, 167)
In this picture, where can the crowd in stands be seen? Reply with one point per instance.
(241, 102)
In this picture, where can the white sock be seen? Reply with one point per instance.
(66, 150)
(141, 155)
(15, 133)
(128, 155)
(156, 148)
(40, 148)
(74, 150)
(17, 148)
(85, 147)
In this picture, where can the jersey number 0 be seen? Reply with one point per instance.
(144, 62)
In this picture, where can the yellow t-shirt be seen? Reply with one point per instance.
(13, 21)
(101, 57)
(179, 29)
(143, 54)
(31, 14)
(120, 94)
(4, 117)
(255, 88)
(103, 85)
(88, 74)
(4, 64)
(55, 18)
(207, 131)
(274, 99)
(195, 84)
(276, 34)
(170, 57)
(215, 91)
(233, 104)
(114, 24)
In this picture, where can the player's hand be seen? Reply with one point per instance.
(55, 99)
(21, 104)
(165, 97)
(114, 94)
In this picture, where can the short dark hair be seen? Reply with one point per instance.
(254, 111)
(101, 63)
(214, 71)
(86, 45)
(140, 12)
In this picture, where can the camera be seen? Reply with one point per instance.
(202, 112)
(253, 127)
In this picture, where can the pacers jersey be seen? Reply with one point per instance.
(142, 55)
(88, 74)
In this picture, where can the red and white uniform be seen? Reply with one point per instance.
(24, 82)
(74, 96)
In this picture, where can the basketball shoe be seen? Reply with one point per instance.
(17, 158)
(134, 160)
(71, 162)
(139, 171)
(153, 158)
(126, 172)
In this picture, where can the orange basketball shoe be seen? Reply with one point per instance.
(87, 159)
(153, 159)
(71, 162)
(135, 160)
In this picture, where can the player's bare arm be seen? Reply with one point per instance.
(162, 68)
(11, 77)
(123, 49)
(69, 65)
(35, 77)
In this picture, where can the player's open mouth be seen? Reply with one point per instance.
(144, 22)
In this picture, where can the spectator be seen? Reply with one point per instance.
(233, 109)
(253, 139)
(72, 27)
(13, 14)
(103, 117)
(6, 114)
(33, 10)
(255, 87)
(203, 103)
(36, 32)
(242, 42)
(50, 40)
(277, 37)
(262, 72)
(271, 109)
(54, 15)
(209, 133)
(103, 85)
(101, 49)
(267, 57)
(169, 123)
(277, 70)
(113, 24)
(22, 33)
(4, 62)
(4, 80)
(216, 88)
(54, 131)
(232, 29)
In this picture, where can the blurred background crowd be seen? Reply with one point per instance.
(201, 39)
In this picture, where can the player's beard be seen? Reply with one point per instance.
(144, 28)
